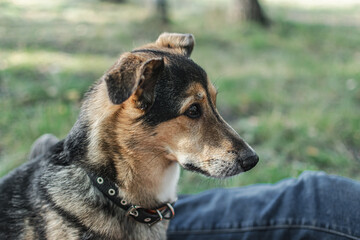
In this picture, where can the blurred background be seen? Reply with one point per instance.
(288, 73)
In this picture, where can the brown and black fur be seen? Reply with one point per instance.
(136, 126)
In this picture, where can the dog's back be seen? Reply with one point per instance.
(17, 200)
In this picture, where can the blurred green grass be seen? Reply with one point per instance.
(292, 91)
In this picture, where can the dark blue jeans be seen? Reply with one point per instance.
(314, 206)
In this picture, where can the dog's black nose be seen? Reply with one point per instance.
(249, 162)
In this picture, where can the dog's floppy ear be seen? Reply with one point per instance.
(145, 92)
(184, 43)
(133, 74)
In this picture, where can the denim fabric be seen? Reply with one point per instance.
(314, 206)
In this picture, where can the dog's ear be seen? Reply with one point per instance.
(184, 43)
(145, 93)
(133, 75)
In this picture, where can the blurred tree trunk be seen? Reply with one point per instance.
(250, 10)
(162, 11)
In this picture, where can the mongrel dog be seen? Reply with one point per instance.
(114, 176)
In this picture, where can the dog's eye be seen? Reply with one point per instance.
(194, 111)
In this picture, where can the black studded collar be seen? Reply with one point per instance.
(140, 214)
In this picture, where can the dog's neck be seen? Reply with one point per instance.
(110, 148)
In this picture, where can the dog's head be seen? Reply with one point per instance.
(167, 108)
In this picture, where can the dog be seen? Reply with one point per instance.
(115, 174)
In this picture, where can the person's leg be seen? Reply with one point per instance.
(314, 206)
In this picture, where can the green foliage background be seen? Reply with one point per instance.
(292, 90)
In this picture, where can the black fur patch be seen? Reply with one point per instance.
(121, 80)
(76, 143)
(176, 77)
(15, 203)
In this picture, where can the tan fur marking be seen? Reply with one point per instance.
(29, 233)
(213, 92)
(56, 228)
(196, 93)
(134, 169)
(99, 108)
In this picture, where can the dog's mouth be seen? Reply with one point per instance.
(222, 169)
(191, 167)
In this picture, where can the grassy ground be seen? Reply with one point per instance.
(292, 91)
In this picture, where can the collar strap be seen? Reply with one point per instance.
(140, 214)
